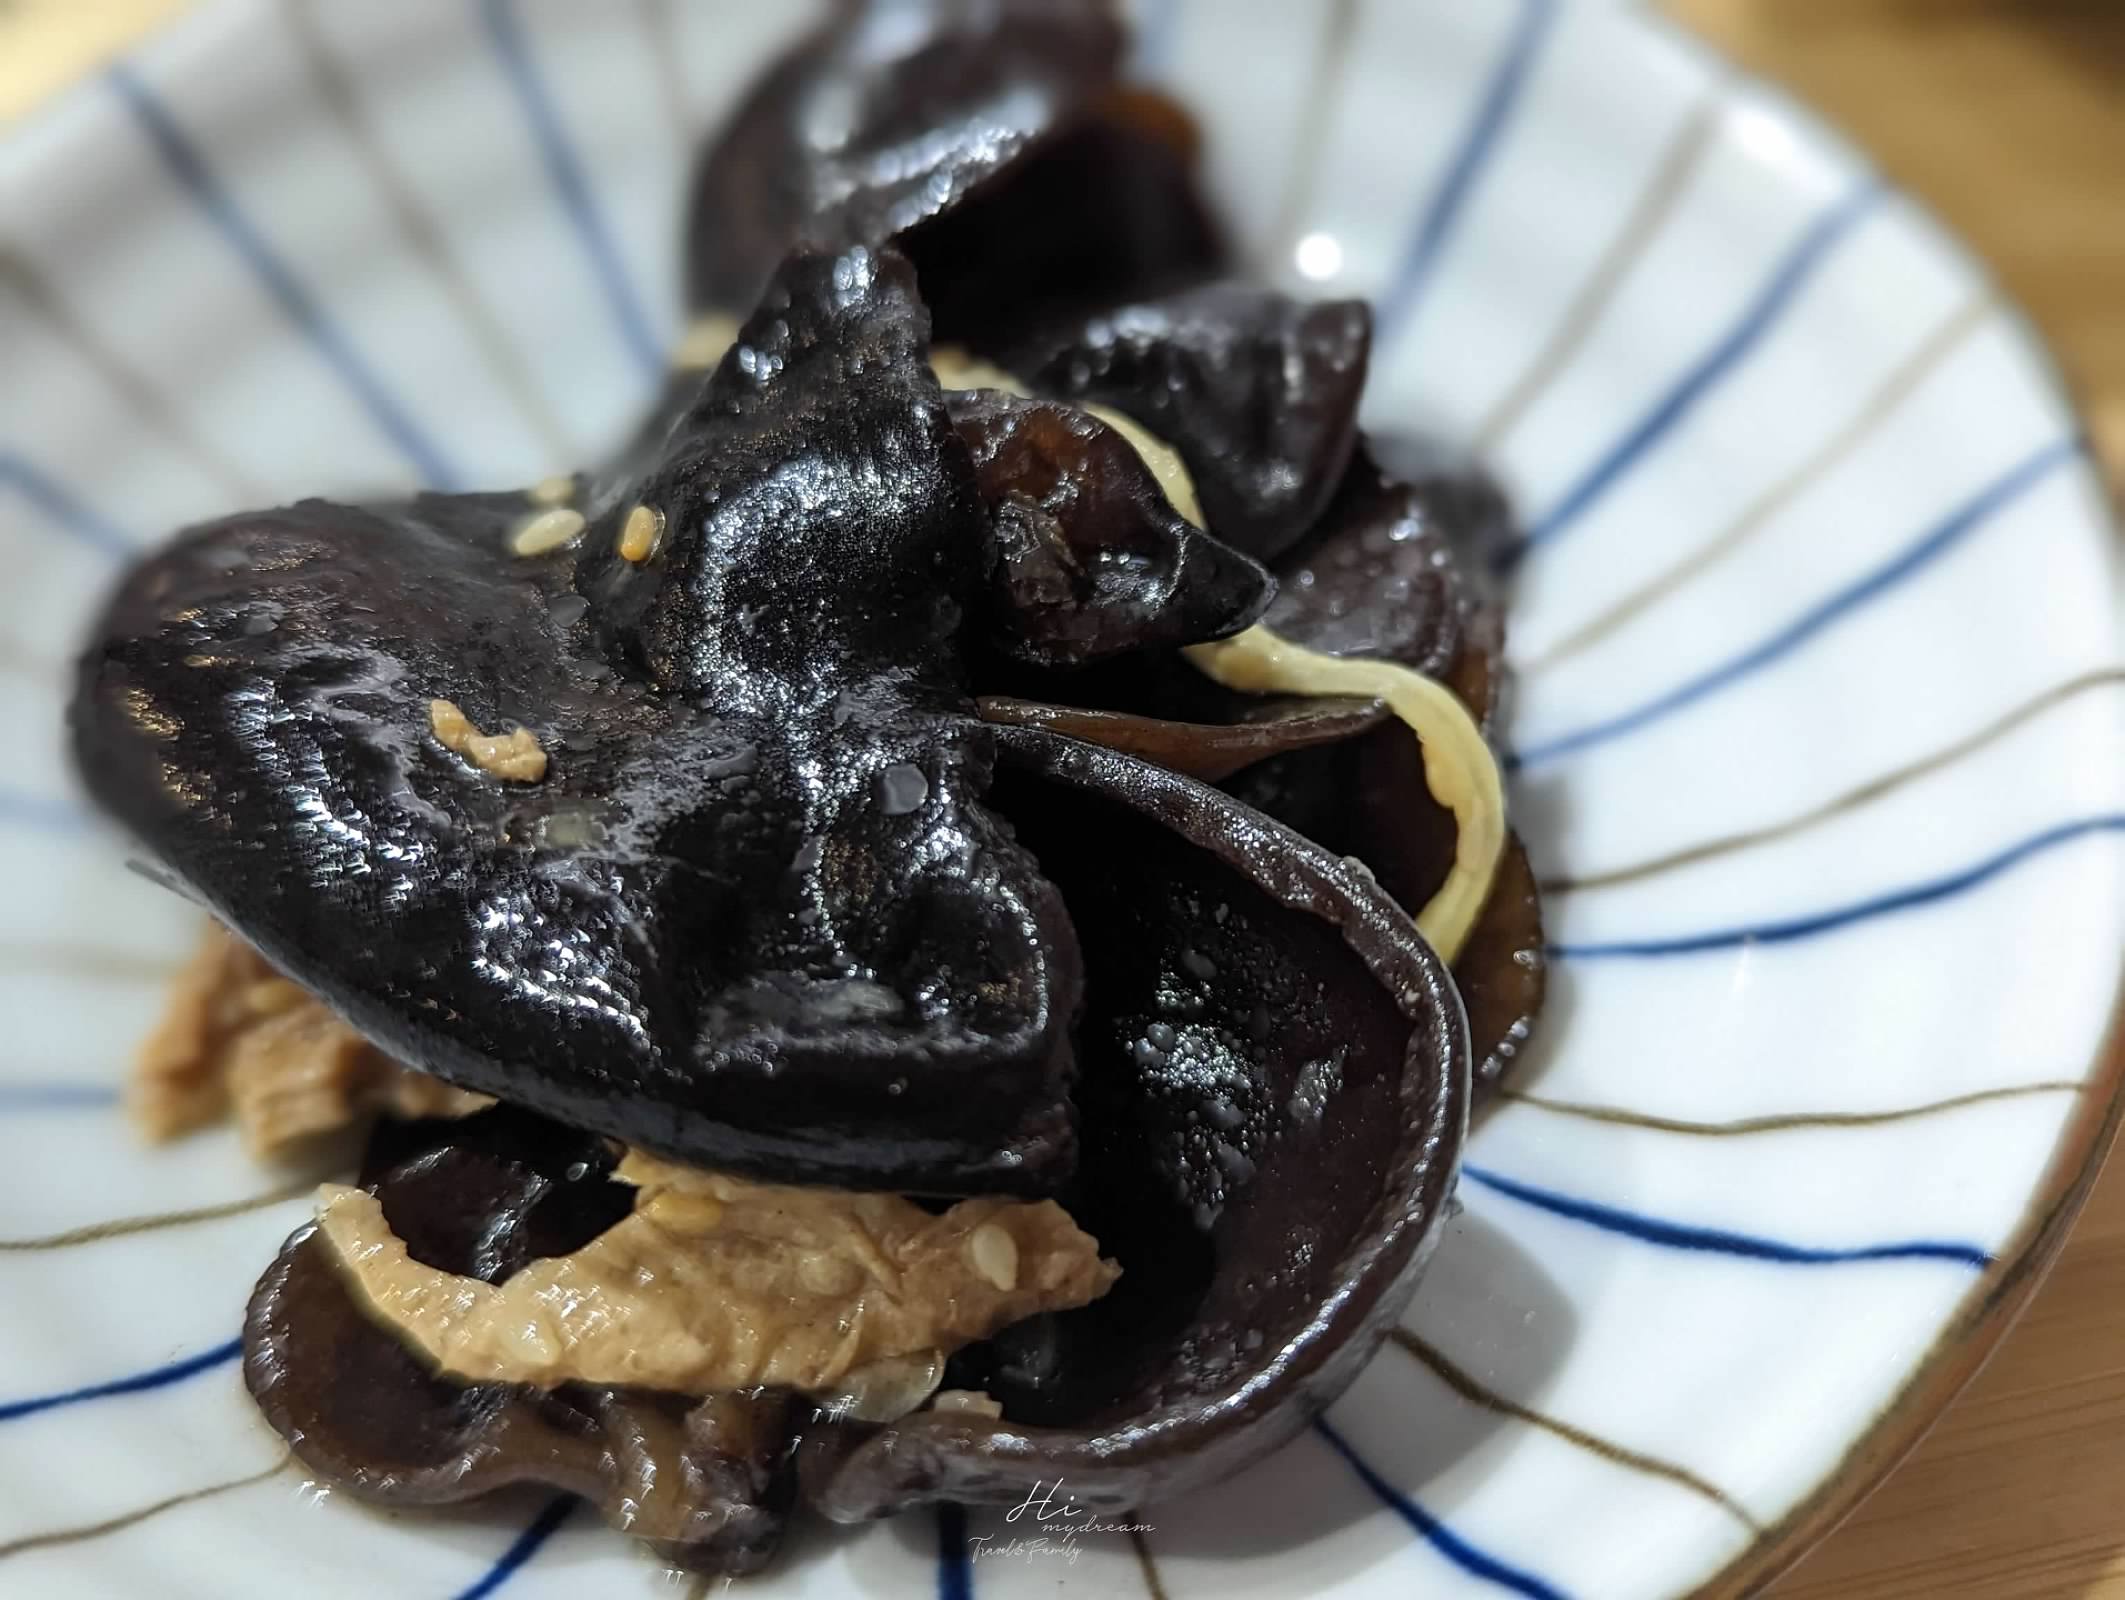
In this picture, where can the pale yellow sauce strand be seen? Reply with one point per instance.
(956, 369)
(1459, 768)
(705, 340)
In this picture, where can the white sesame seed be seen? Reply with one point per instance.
(544, 532)
(641, 533)
(994, 1254)
(973, 1402)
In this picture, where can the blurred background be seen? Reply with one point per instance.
(2008, 118)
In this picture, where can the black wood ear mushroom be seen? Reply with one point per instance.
(821, 794)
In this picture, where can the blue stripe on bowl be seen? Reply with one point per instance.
(1703, 375)
(1477, 1563)
(1435, 222)
(1432, 239)
(1720, 1241)
(56, 1097)
(1157, 23)
(1819, 922)
(955, 1576)
(564, 169)
(337, 87)
(189, 166)
(69, 511)
(526, 1545)
(1906, 563)
(137, 1383)
(46, 813)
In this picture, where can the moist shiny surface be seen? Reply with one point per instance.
(1258, 391)
(708, 1481)
(828, 877)
(883, 118)
(1273, 1108)
(1275, 1089)
(756, 915)
(1089, 558)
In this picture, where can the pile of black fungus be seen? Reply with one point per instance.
(886, 839)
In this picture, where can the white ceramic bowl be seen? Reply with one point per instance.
(1820, 595)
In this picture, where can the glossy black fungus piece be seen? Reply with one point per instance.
(1503, 971)
(1089, 559)
(1275, 1082)
(1106, 212)
(1367, 797)
(1085, 559)
(1395, 569)
(889, 113)
(1210, 751)
(1390, 570)
(708, 1482)
(757, 915)
(1474, 513)
(1258, 392)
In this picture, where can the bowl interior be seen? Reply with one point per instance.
(1806, 513)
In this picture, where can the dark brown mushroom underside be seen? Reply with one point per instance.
(708, 1482)
(1273, 1096)
(1367, 797)
(1210, 751)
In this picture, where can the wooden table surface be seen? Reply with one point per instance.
(2008, 116)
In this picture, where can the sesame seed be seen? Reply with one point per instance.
(974, 1402)
(544, 532)
(679, 1211)
(557, 490)
(516, 756)
(995, 1255)
(641, 533)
